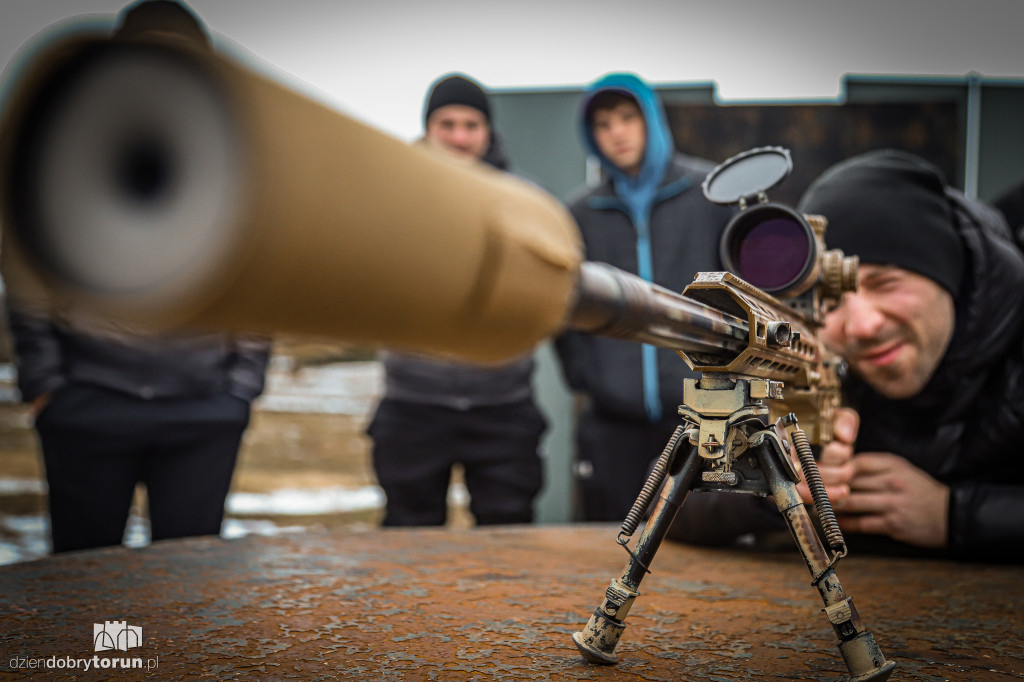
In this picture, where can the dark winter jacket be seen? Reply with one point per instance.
(52, 354)
(965, 428)
(657, 225)
(454, 384)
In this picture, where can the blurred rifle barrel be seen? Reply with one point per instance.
(171, 187)
(614, 303)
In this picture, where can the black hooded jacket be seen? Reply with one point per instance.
(965, 428)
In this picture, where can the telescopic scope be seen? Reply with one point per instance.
(770, 245)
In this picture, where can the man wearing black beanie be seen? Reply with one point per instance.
(438, 414)
(933, 336)
(891, 210)
(457, 119)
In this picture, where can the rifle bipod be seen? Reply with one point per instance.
(735, 449)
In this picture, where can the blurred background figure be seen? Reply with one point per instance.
(438, 414)
(648, 217)
(114, 407)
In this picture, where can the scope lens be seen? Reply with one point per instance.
(772, 254)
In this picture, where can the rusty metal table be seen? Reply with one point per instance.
(494, 603)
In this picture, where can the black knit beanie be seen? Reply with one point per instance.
(166, 16)
(890, 208)
(456, 89)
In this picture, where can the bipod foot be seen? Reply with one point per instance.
(864, 659)
(593, 641)
(599, 637)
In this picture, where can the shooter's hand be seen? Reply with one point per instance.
(835, 464)
(890, 496)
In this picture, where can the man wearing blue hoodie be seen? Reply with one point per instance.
(648, 216)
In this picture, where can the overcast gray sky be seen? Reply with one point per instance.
(375, 59)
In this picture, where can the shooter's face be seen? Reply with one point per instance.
(459, 129)
(894, 330)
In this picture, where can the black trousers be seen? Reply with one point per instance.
(613, 458)
(416, 445)
(97, 445)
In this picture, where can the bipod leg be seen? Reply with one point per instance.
(598, 639)
(861, 654)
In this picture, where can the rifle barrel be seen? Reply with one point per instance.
(620, 305)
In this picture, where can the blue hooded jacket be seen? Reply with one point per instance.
(638, 192)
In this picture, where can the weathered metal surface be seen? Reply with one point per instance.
(492, 603)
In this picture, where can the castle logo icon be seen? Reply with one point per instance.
(116, 634)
